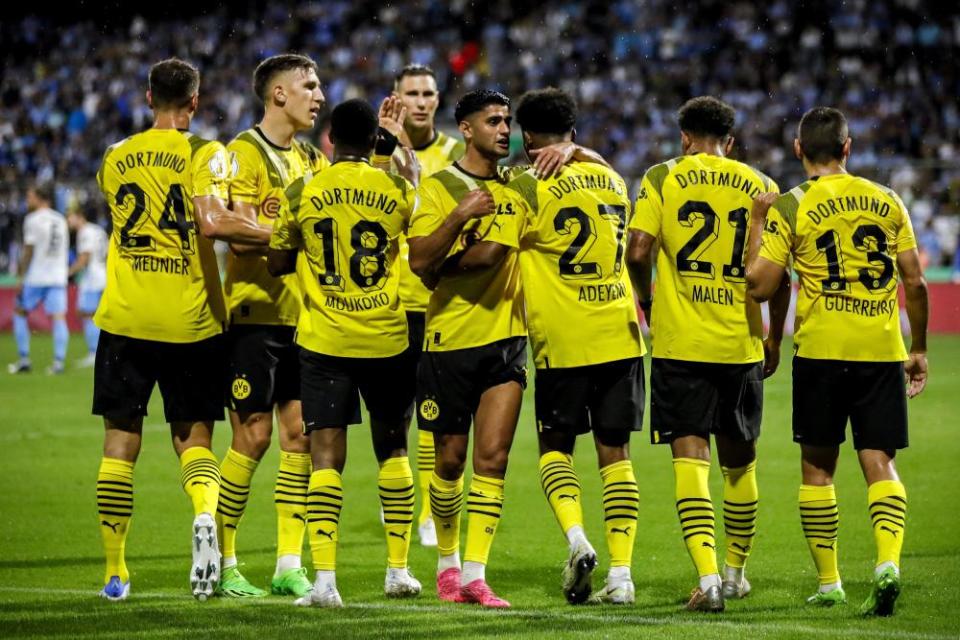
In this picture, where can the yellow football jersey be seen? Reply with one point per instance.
(347, 221)
(162, 278)
(698, 207)
(844, 234)
(264, 171)
(478, 308)
(572, 237)
(437, 154)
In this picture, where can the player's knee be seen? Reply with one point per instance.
(252, 433)
(449, 465)
(491, 463)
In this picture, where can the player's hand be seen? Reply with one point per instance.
(391, 117)
(915, 372)
(549, 160)
(476, 204)
(762, 204)
(771, 357)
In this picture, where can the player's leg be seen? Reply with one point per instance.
(290, 498)
(739, 417)
(123, 379)
(561, 397)
(86, 306)
(879, 422)
(55, 303)
(190, 377)
(27, 300)
(495, 424)
(426, 528)
(616, 407)
(820, 410)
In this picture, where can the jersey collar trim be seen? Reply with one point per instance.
(268, 141)
(430, 143)
(473, 175)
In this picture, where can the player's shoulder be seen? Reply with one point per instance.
(751, 172)
(788, 203)
(658, 173)
(451, 148)
(882, 188)
(199, 145)
(244, 142)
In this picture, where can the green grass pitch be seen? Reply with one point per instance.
(51, 567)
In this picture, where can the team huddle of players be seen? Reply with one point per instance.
(414, 272)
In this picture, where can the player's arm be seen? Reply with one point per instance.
(79, 264)
(476, 257)
(217, 222)
(549, 160)
(779, 304)
(393, 142)
(250, 212)
(763, 276)
(428, 253)
(640, 267)
(280, 262)
(286, 239)
(918, 310)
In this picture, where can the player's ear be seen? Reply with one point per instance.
(149, 99)
(797, 150)
(194, 102)
(464, 128)
(573, 135)
(728, 145)
(847, 144)
(279, 95)
(684, 141)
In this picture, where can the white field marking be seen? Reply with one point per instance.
(559, 615)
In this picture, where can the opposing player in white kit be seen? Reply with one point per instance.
(91, 264)
(43, 277)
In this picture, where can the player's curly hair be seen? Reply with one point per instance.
(477, 100)
(269, 68)
(549, 110)
(353, 123)
(173, 82)
(822, 133)
(706, 116)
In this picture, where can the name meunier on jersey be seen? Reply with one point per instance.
(162, 277)
(571, 234)
(844, 233)
(698, 207)
(348, 271)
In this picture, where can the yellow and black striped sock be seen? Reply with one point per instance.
(236, 471)
(115, 508)
(425, 461)
(290, 498)
(200, 477)
(484, 506)
(324, 502)
(741, 500)
(696, 512)
(562, 488)
(621, 506)
(446, 501)
(820, 519)
(395, 483)
(888, 511)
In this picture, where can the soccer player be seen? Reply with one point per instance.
(346, 222)
(849, 238)
(473, 369)
(162, 314)
(416, 87)
(91, 262)
(709, 353)
(585, 336)
(263, 373)
(43, 277)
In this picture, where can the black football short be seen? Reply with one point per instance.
(263, 367)
(450, 383)
(190, 376)
(703, 398)
(416, 322)
(872, 395)
(605, 397)
(331, 388)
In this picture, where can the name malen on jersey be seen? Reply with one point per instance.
(602, 292)
(569, 184)
(870, 308)
(848, 204)
(735, 181)
(358, 303)
(153, 264)
(712, 295)
(356, 197)
(153, 159)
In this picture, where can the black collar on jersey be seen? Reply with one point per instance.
(495, 176)
(429, 143)
(267, 140)
(349, 158)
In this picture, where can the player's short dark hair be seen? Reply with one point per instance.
(706, 116)
(172, 83)
(549, 110)
(414, 70)
(43, 189)
(268, 69)
(478, 100)
(354, 123)
(823, 132)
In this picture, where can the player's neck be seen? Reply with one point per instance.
(475, 163)
(172, 120)
(278, 129)
(832, 168)
(707, 147)
(421, 137)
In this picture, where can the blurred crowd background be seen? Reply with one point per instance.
(71, 85)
